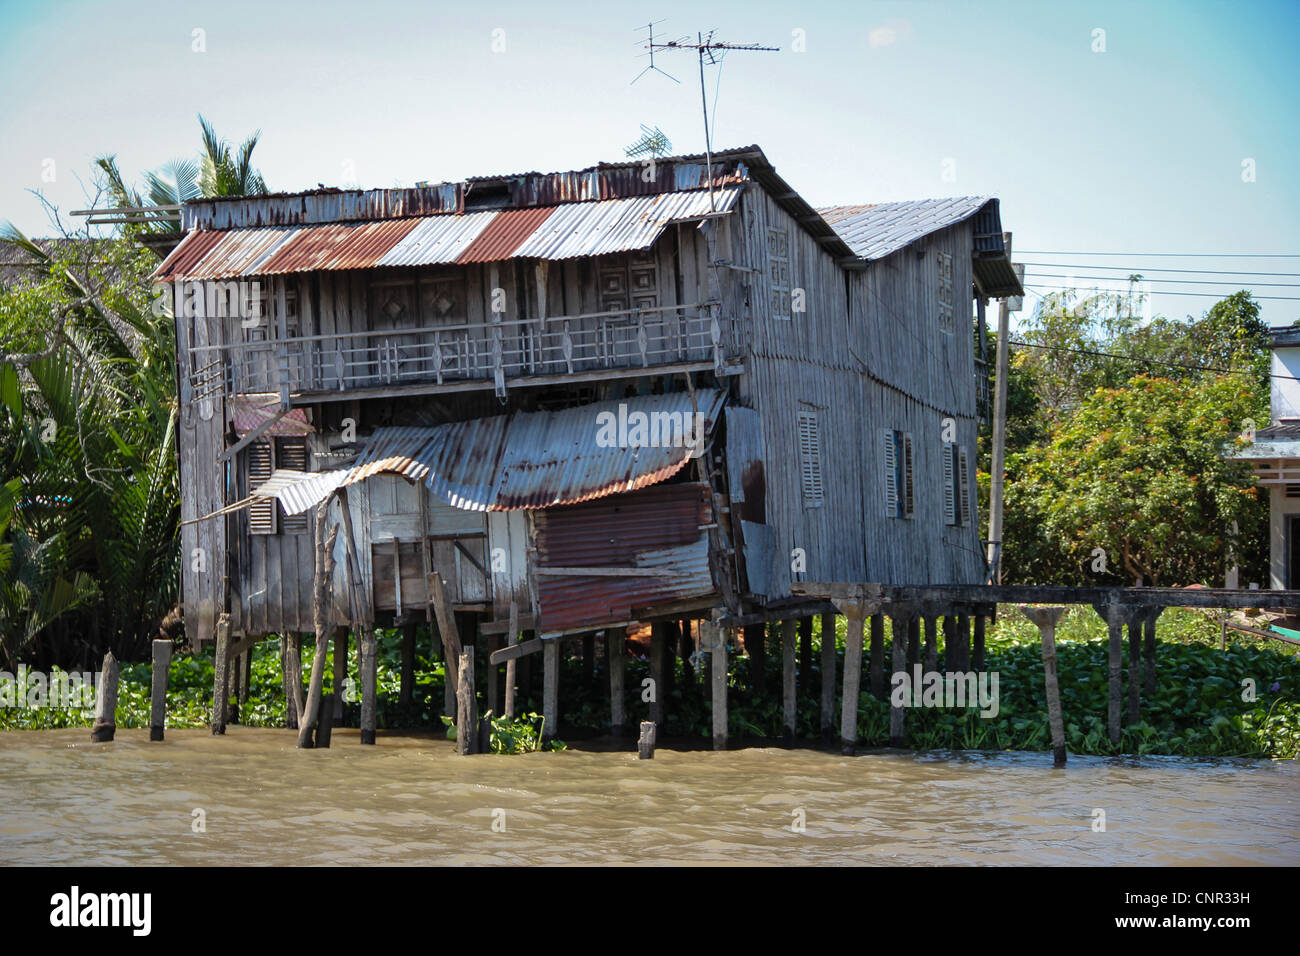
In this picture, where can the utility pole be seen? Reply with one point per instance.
(998, 465)
(705, 47)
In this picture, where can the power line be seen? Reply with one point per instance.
(1203, 295)
(1148, 361)
(1167, 255)
(1216, 272)
(1068, 275)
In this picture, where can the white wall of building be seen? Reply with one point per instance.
(1286, 393)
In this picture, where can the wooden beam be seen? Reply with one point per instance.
(251, 437)
(516, 651)
(789, 699)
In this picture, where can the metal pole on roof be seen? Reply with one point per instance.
(704, 107)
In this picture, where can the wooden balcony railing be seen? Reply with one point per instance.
(495, 352)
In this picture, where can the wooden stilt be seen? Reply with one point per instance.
(1045, 619)
(105, 725)
(914, 640)
(645, 745)
(466, 706)
(828, 678)
(615, 651)
(950, 651)
(551, 688)
(321, 600)
(686, 650)
(900, 626)
(1136, 619)
(493, 677)
(290, 701)
(221, 675)
(977, 662)
(657, 638)
(340, 671)
(963, 642)
(589, 660)
(1149, 647)
(1114, 615)
(325, 721)
(877, 663)
(788, 696)
(852, 680)
(450, 637)
(161, 656)
(369, 664)
(406, 692)
(715, 639)
(512, 638)
(670, 663)
(931, 643)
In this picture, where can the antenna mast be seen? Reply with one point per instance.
(704, 46)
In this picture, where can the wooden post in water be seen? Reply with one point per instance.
(450, 636)
(105, 725)
(931, 642)
(340, 671)
(657, 688)
(369, 664)
(512, 638)
(756, 648)
(221, 675)
(321, 600)
(718, 663)
(963, 642)
(1045, 618)
(615, 650)
(854, 612)
(901, 629)
(291, 672)
(977, 663)
(466, 706)
(913, 640)
(589, 660)
(1113, 614)
(950, 651)
(551, 687)
(1136, 619)
(789, 699)
(877, 663)
(325, 721)
(645, 745)
(1149, 647)
(161, 658)
(828, 678)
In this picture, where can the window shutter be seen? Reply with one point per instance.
(949, 487)
(888, 467)
(909, 489)
(945, 292)
(810, 460)
(291, 453)
(260, 464)
(963, 475)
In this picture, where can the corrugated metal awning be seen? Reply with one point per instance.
(568, 231)
(529, 460)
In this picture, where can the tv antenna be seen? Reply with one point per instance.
(653, 143)
(705, 47)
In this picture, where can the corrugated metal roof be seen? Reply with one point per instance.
(876, 231)
(504, 234)
(616, 225)
(531, 460)
(300, 490)
(548, 232)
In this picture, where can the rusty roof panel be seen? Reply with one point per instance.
(504, 234)
(656, 529)
(185, 256)
(343, 246)
(239, 253)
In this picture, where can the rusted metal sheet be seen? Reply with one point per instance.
(655, 529)
(344, 246)
(185, 256)
(538, 460)
(504, 234)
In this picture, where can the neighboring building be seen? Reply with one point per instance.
(1275, 454)
(445, 354)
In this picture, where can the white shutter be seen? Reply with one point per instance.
(810, 460)
(887, 466)
(963, 475)
(261, 462)
(949, 487)
(909, 486)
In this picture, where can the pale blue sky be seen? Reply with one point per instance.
(1137, 149)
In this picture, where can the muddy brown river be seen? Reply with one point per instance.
(411, 800)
